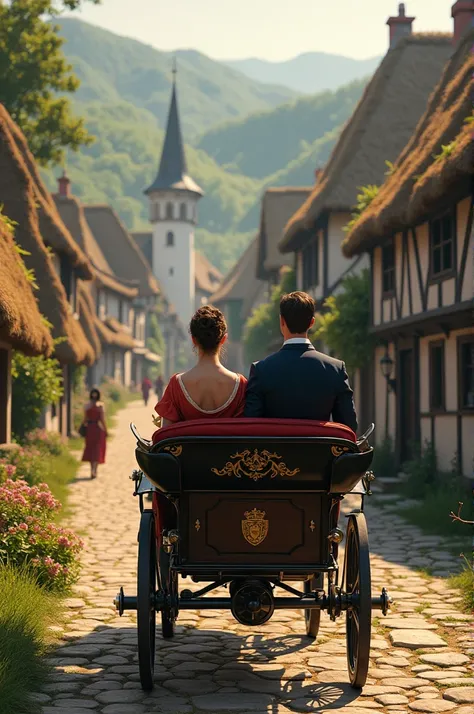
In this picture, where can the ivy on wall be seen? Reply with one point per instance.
(344, 324)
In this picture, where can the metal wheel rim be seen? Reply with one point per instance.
(146, 588)
(357, 582)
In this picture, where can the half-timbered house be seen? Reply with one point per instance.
(379, 128)
(113, 298)
(419, 235)
(238, 295)
(278, 206)
(58, 263)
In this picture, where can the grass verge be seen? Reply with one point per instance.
(62, 472)
(26, 612)
(464, 582)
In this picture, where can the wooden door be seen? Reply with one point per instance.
(407, 403)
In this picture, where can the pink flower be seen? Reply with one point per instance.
(23, 527)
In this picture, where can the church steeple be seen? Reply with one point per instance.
(172, 172)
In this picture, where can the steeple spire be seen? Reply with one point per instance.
(172, 173)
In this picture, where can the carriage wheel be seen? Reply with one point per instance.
(169, 581)
(146, 587)
(357, 584)
(312, 618)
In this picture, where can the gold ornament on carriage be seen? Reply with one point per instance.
(255, 527)
(174, 450)
(255, 465)
(338, 450)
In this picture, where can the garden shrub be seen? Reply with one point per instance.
(30, 464)
(49, 442)
(384, 464)
(37, 383)
(28, 536)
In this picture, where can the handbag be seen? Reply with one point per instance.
(83, 430)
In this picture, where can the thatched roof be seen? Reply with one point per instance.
(22, 202)
(419, 181)
(278, 206)
(379, 128)
(21, 325)
(53, 231)
(87, 317)
(72, 213)
(242, 283)
(120, 336)
(206, 275)
(120, 249)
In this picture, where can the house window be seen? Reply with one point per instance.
(388, 267)
(437, 376)
(311, 265)
(170, 238)
(466, 369)
(442, 244)
(169, 211)
(182, 211)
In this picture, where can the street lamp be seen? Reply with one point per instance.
(386, 366)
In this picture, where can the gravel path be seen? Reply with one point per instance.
(420, 651)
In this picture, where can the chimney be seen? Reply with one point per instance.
(64, 185)
(317, 174)
(462, 13)
(400, 26)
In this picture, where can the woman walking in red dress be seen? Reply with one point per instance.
(96, 434)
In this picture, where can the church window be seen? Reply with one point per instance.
(156, 216)
(182, 211)
(169, 210)
(170, 238)
(171, 271)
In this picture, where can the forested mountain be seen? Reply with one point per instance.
(308, 73)
(114, 69)
(124, 99)
(264, 143)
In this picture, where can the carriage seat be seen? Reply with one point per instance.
(255, 427)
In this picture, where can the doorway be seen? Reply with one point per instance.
(407, 388)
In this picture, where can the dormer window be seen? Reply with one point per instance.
(182, 211)
(169, 211)
(388, 268)
(442, 245)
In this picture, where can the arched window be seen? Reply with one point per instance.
(170, 238)
(169, 210)
(182, 211)
(171, 271)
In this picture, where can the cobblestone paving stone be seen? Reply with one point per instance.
(419, 658)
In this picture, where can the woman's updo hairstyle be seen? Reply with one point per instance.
(208, 327)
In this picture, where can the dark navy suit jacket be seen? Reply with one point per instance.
(300, 383)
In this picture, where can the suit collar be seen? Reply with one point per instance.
(298, 346)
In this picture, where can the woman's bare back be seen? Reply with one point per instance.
(209, 386)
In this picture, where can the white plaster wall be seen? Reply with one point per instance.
(337, 263)
(174, 265)
(127, 368)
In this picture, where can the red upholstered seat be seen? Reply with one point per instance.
(254, 427)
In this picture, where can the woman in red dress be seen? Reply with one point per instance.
(208, 390)
(94, 419)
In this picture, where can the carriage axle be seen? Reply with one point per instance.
(317, 601)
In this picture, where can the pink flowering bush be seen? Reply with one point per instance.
(49, 442)
(30, 464)
(29, 537)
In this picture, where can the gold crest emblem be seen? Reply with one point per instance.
(255, 527)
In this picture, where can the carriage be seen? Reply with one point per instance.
(253, 505)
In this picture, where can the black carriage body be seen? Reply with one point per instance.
(260, 506)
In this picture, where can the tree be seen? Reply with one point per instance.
(263, 327)
(344, 325)
(37, 383)
(33, 70)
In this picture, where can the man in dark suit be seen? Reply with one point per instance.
(297, 382)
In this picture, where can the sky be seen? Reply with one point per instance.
(269, 29)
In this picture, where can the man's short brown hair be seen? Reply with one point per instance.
(297, 310)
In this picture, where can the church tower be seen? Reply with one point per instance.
(173, 197)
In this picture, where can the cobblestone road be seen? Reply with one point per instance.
(420, 652)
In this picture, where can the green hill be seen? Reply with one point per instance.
(264, 143)
(115, 69)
